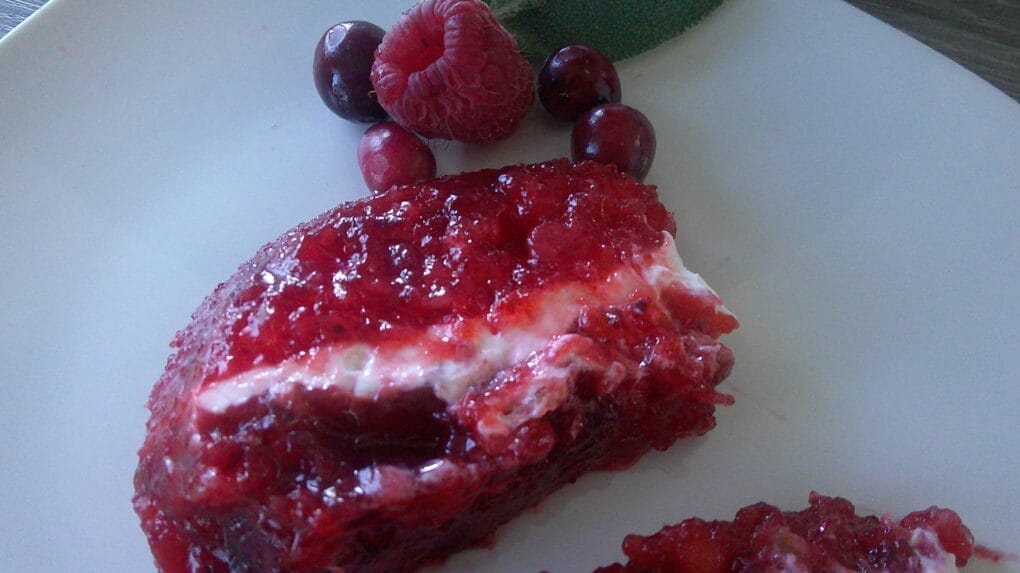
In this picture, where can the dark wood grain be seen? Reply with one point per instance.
(981, 35)
(12, 12)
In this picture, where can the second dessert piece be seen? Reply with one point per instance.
(828, 536)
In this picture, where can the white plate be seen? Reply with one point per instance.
(854, 197)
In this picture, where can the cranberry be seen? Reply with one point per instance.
(390, 155)
(575, 79)
(617, 134)
(343, 62)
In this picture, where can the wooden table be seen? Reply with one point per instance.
(982, 35)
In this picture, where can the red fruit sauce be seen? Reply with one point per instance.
(432, 253)
(827, 536)
(315, 479)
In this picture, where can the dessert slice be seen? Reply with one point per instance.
(827, 536)
(393, 380)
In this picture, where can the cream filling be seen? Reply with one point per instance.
(364, 370)
(933, 558)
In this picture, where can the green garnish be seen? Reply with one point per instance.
(617, 28)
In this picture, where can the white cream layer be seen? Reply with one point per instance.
(934, 559)
(364, 370)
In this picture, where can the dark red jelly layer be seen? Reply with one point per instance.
(303, 479)
(312, 480)
(824, 537)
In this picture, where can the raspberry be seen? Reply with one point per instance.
(448, 69)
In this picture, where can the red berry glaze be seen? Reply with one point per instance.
(447, 69)
(313, 477)
(575, 79)
(827, 536)
(390, 155)
(616, 134)
(341, 68)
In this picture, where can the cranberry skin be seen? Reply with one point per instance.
(390, 155)
(575, 79)
(617, 134)
(342, 66)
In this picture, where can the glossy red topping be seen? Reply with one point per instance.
(310, 478)
(429, 253)
(827, 536)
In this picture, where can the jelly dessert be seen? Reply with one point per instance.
(827, 536)
(391, 381)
